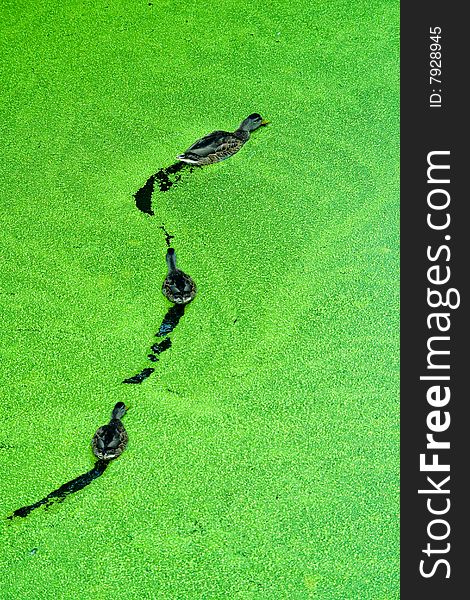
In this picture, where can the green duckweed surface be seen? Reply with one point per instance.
(263, 452)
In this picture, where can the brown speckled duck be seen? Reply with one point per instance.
(110, 440)
(219, 145)
(178, 287)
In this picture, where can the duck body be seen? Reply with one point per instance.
(110, 440)
(178, 287)
(219, 145)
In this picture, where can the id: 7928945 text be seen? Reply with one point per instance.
(435, 67)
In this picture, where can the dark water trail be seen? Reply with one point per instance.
(164, 179)
(170, 321)
(143, 197)
(140, 376)
(163, 176)
(68, 488)
(168, 236)
(159, 348)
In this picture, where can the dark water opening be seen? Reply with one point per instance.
(65, 490)
(165, 179)
(168, 236)
(143, 197)
(165, 182)
(170, 321)
(159, 348)
(140, 376)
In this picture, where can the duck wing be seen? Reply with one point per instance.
(108, 436)
(210, 143)
(179, 280)
(99, 437)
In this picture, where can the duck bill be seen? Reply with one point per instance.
(265, 122)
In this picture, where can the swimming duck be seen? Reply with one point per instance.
(110, 440)
(177, 287)
(219, 145)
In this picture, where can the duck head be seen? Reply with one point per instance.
(119, 411)
(252, 122)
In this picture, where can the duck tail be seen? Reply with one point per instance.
(188, 158)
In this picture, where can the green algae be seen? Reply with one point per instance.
(263, 452)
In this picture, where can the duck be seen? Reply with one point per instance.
(110, 440)
(178, 287)
(219, 145)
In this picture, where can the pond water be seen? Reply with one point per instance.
(263, 441)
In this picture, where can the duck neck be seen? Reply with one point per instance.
(171, 260)
(118, 412)
(242, 134)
